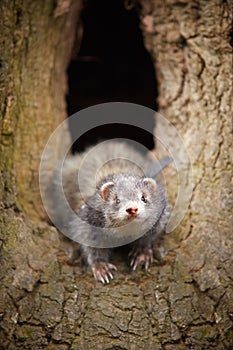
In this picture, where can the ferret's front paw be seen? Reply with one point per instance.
(141, 257)
(102, 271)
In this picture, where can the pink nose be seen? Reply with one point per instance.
(132, 211)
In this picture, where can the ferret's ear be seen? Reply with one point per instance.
(105, 189)
(151, 183)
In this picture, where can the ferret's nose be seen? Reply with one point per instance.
(132, 211)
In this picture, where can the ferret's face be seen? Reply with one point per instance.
(128, 199)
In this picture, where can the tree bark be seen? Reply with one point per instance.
(191, 43)
(185, 303)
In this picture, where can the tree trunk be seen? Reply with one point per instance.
(186, 303)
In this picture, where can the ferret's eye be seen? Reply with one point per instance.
(118, 201)
(143, 199)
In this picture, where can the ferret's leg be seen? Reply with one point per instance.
(142, 249)
(142, 252)
(97, 258)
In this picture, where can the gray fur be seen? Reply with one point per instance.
(105, 178)
(153, 169)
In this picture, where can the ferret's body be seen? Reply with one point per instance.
(108, 188)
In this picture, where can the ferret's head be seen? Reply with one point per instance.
(128, 198)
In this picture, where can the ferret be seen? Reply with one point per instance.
(117, 201)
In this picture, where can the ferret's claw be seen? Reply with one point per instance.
(102, 271)
(144, 257)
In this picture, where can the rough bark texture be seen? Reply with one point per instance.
(187, 302)
(191, 43)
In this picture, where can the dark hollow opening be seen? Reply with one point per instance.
(112, 65)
